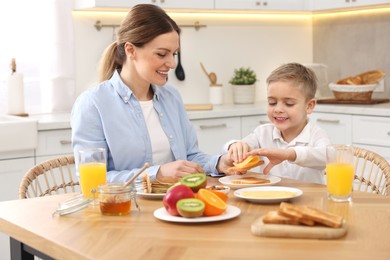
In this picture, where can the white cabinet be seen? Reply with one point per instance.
(266, 5)
(127, 4)
(337, 126)
(53, 143)
(318, 5)
(215, 132)
(11, 173)
(249, 123)
(372, 132)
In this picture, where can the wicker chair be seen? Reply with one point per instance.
(53, 176)
(372, 172)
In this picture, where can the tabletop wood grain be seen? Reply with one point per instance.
(89, 235)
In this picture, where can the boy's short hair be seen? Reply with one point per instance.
(299, 75)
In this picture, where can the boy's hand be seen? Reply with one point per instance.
(275, 156)
(238, 151)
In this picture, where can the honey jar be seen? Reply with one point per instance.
(115, 199)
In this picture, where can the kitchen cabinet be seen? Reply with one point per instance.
(266, 5)
(11, 173)
(127, 4)
(213, 133)
(249, 123)
(318, 5)
(373, 133)
(53, 143)
(338, 126)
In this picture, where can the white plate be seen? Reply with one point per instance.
(231, 212)
(154, 196)
(227, 180)
(298, 193)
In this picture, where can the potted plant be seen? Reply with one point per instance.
(243, 82)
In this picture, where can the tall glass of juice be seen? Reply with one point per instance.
(340, 172)
(92, 171)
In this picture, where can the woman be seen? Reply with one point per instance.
(134, 113)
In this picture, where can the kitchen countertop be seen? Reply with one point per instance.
(57, 121)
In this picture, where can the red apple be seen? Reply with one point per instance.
(174, 195)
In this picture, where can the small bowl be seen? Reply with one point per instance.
(220, 188)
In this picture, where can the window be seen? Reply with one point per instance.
(39, 35)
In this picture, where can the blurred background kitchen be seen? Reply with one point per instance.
(57, 48)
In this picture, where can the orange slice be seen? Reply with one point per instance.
(222, 195)
(214, 205)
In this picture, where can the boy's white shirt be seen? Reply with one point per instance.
(309, 145)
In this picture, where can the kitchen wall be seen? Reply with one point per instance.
(353, 43)
(261, 42)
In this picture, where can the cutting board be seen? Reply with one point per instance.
(197, 107)
(363, 102)
(258, 228)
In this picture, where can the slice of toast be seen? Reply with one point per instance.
(323, 217)
(273, 217)
(294, 212)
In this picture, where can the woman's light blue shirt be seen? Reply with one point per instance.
(110, 116)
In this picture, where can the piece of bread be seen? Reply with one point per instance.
(372, 76)
(247, 164)
(273, 217)
(365, 78)
(147, 185)
(294, 212)
(310, 216)
(323, 217)
(250, 180)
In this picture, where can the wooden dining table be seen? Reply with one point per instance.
(87, 234)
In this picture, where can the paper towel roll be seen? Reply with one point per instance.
(15, 94)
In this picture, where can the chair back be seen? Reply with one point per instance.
(55, 176)
(372, 172)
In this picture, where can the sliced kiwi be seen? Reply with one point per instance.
(190, 208)
(195, 181)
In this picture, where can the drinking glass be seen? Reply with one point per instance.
(92, 170)
(340, 172)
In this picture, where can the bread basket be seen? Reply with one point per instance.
(352, 92)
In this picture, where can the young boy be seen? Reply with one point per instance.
(293, 146)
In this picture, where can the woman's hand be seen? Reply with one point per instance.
(224, 163)
(238, 151)
(275, 156)
(178, 169)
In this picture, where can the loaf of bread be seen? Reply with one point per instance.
(247, 164)
(365, 78)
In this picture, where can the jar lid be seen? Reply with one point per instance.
(114, 188)
(72, 205)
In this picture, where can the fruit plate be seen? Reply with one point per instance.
(268, 195)
(151, 196)
(227, 180)
(231, 212)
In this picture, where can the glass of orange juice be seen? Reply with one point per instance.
(340, 172)
(92, 171)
